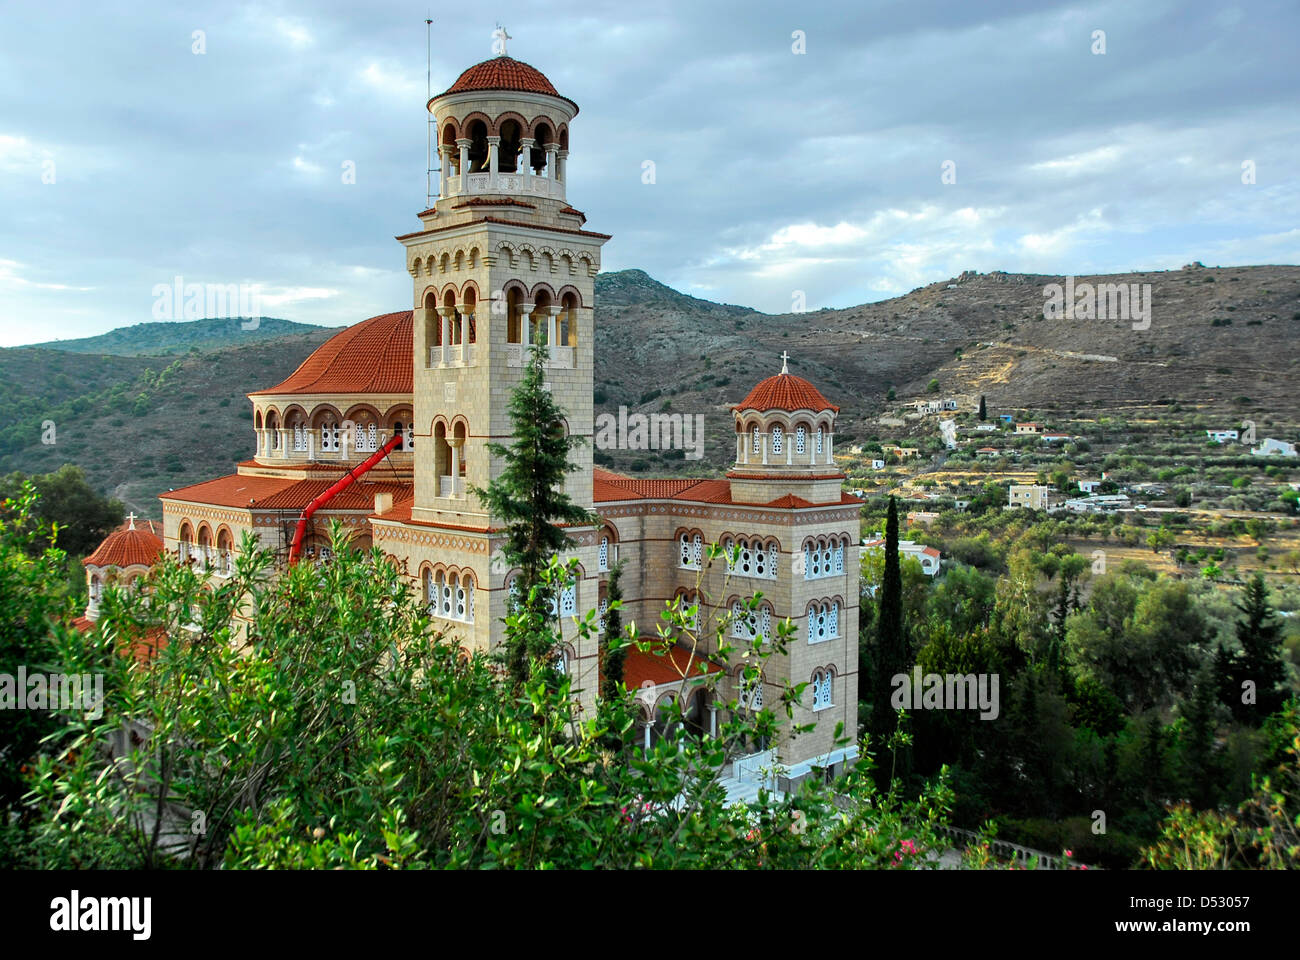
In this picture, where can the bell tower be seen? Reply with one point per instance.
(502, 263)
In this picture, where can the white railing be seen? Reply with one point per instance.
(453, 355)
(447, 486)
(506, 183)
(559, 358)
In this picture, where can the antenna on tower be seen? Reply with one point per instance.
(429, 124)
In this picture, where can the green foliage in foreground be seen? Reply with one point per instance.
(332, 728)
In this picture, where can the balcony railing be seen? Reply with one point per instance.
(514, 183)
(560, 358)
(447, 486)
(452, 355)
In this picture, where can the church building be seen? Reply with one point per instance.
(502, 261)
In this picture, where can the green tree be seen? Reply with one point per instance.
(984, 413)
(364, 740)
(1260, 660)
(932, 386)
(64, 498)
(891, 651)
(528, 496)
(613, 653)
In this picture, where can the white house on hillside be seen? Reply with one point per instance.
(1274, 448)
(929, 556)
(1221, 436)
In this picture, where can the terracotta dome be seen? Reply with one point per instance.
(130, 544)
(503, 73)
(373, 356)
(786, 392)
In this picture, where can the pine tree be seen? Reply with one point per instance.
(528, 497)
(890, 650)
(1200, 766)
(611, 661)
(984, 413)
(1260, 659)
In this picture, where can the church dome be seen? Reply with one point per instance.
(373, 356)
(503, 73)
(127, 546)
(785, 392)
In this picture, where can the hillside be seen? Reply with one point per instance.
(139, 425)
(1221, 342)
(162, 339)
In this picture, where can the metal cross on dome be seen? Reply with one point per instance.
(131, 517)
(785, 357)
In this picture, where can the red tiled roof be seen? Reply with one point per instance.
(502, 73)
(126, 546)
(787, 392)
(608, 487)
(673, 666)
(279, 493)
(373, 356)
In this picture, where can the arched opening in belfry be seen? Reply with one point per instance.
(569, 320)
(543, 136)
(514, 319)
(452, 320)
(432, 325)
(537, 322)
(471, 313)
(441, 451)
(449, 141)
(508, 150)
(477, 132)
(459, 434)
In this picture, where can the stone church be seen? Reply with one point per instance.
(503, 261)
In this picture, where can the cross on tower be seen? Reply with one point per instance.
(500, 37)
(131, 518)
(785, 357)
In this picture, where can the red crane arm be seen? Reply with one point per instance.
(296, 547)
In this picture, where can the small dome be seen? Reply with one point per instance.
(503, 73)
(786, 392)
(373, 356)
(135, 542)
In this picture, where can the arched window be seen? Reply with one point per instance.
(749, 692)
(822, 682)
(819, 439)
(823, 621)
(800, 439)
(757, 442)
(749, 624)
(329, 435)
(687, 600)
(568, 321)
(776, 439)
(514, 317)
(96, 587)
(839, 557)
(691, 551)
(569, 600)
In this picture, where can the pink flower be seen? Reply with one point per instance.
(1069, 853)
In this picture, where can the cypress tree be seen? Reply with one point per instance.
(1200, 766)
(890, 650)
(1260, 660)
(528, 497)
(611, 661)
(983, 409)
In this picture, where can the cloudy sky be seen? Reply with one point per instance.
(128, 159)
